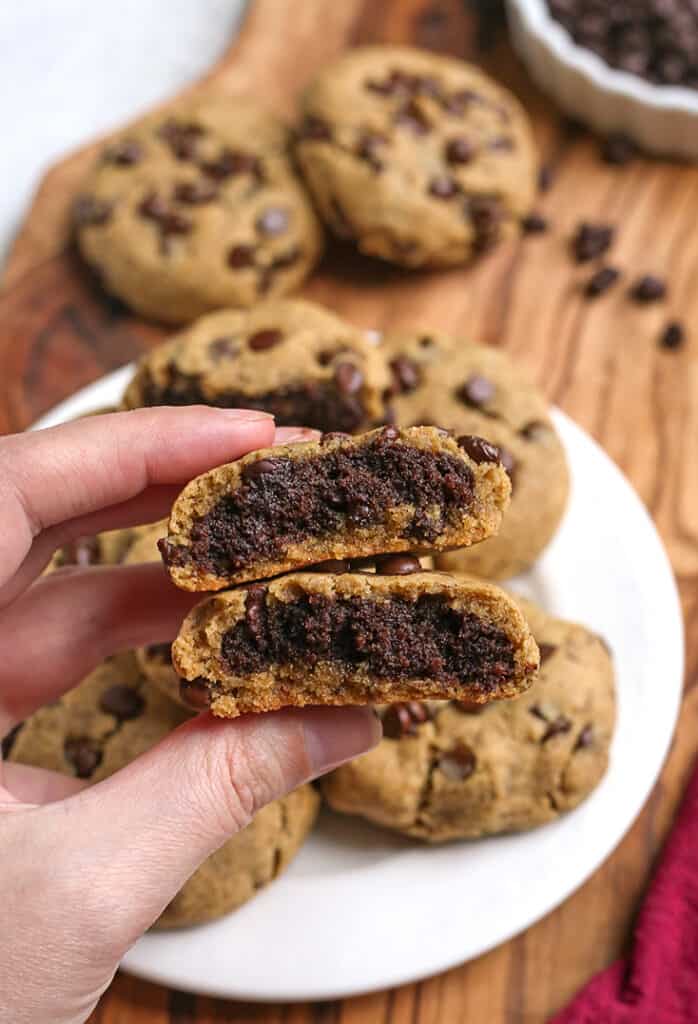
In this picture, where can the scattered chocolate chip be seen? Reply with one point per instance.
(443, 187)
(411, 116)
(508, 461)
(405, 374)
(83, 754)
(673, 335)
(557, 727)
(585, 738)
(486, 214)
(88, 211)
(478, 449)
(182, 137)
(255, 470)
(459, 151)
(468, 707)
(534, 224)
(618, 149)
(195, 693)
(231, 162)
(241, 256)
(591, 240)
(260, 341)
(546, 651)
(170, 222)
(256, 610)
(332, 565)
(397, 565)
(358, 511)
(274, 221)
(601, 281)
(222, 348)
(315, 128)
(476, 391)
(404, 719)
(123, 702)
(196, 192)
(648, 288)
(124, 153)
(457, 764)
(348, 378)
(545, 177)
(458, 102)
(537, 712)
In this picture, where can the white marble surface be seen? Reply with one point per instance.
(71, 69)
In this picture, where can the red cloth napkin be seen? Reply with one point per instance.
(658, 982)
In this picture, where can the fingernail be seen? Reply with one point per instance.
(250, 415)
(336, 735)
(290, 435)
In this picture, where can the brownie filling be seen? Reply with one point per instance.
(283, 501)
(394, 638)
(321, 405)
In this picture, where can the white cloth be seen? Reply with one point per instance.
(72, 69)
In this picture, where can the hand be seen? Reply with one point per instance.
(85, 871)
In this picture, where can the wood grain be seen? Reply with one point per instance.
(598, 360)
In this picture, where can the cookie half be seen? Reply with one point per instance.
(341, 497)
(419, 159)
(354, 638)
(461, 770)
(475, 389)
(112, 718)
(196, 208)
(293, 359)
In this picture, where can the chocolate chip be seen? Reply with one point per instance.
(124, 153)
(348, 378)
(648, 288)
(591, 240)
(241, 256)
(534, 224)
(545, 177)
(331, 565)
(397, 565)
(196, 192)
(486, 214)
(457, 764)
(255, 470)
(315, 128)
(443, 187)
(601, 281)
(673, 335)
(195, 693)
(459, 151)
(170, 222)
(478, 449)
(468, 707)
(358, 511)
(88, 211)
(585, 738)
(160, 652)
(557, 727)
(458, 102)
(82, 551)
(368, 148)
(546, 651)
(222, 348)
(256, 610)
(404, 719)
(476, 391)
(83, 754)
(405, 373)
(230, 163)
(508, 461)
(618, 149)
(411, 116)
(263, 340)
(182, 137)
(123, 702)
(273, 221)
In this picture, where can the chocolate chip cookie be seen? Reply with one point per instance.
(419, 159)
(112, 718)
(458, 770)
(341, 497)
(475, 389)
(290, 358)
(355, 638)
(197, 208)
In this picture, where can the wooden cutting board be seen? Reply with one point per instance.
(599, 360)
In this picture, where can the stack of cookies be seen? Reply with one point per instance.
(357, 567)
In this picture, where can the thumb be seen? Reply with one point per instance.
(154, 822)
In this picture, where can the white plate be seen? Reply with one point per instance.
(361, 909)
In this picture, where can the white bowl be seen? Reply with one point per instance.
(660, 118)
